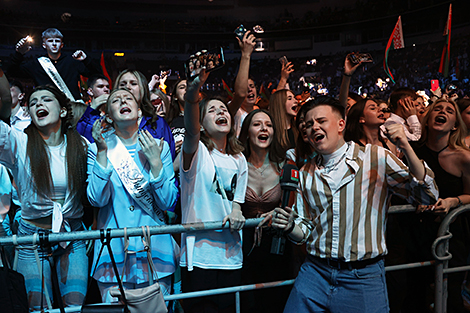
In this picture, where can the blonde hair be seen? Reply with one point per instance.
(457, 136)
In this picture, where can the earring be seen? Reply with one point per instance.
(63, 113)
(202, 128)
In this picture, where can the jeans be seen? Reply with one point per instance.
(71, 264)
(321, 288)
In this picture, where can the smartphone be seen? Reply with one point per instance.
(212, 60)
(358, 57)
(283, 60)
(434, 84)
(240, 32)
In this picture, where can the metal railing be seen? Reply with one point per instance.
(439, 249)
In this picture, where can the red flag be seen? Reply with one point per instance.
(445, 58)
(228, 90)
(398, 43)
(105, 72)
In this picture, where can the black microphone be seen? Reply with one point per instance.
(289, 182)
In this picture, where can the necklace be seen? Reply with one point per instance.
(261, 169)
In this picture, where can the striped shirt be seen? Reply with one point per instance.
(342, 209)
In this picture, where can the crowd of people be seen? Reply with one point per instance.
(134, 155)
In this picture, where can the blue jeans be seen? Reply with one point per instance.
(321, 288)
(71, 264)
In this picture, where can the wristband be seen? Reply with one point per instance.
(460, 201)
(290, 229)
(347, 75)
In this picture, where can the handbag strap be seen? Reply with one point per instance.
(107, 242)
(146, 240)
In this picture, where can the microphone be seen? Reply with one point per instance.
(289, 182)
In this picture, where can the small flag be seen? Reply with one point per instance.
(398, 43)
(263, 93)
(445, 58)
(105, 72)
(228, 90)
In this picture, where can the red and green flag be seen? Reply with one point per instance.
(445, 58)
(398, 43)
(228, 90)
(105, 72)
(263, 93)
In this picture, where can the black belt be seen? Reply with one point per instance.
(343, 265)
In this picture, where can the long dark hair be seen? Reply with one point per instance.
(303, 150)
(174, 109)
(353, 130)
(277, 107)
(233, 145)
(75, 155)
(276, 153)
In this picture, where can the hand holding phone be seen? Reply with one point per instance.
(434, 84)
(358, 57)
(210, 60)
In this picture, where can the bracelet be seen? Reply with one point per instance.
(460, 201)
(290, 229)
(347, 75)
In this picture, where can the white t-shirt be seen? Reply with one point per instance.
(203, 201)
(238, 120)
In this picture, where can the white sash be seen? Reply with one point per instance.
(54, 75)
(132, 178)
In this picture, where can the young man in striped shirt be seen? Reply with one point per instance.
(340, 212)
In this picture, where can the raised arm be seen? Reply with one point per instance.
(241, 82)
(349, 69)
(191, 118)
(286, 69)
(5, 97)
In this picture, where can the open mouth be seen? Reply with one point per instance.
(250, 96)
(263, 137)
(125, 110)
(440, 119)
(318, 137)
(221, 121)
(42, 113)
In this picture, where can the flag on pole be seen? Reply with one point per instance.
(398, 43)
(445, 58)
(228, 90)
(105, 72)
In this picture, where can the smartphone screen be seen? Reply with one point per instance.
(240, 32)
(283, 60)
(212, 60)
(434, 84)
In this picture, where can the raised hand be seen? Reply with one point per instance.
(408, 107)
(152, 150)
(23, 45)
(79, 55)
(247, 45)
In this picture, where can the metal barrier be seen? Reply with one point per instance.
(439, 250)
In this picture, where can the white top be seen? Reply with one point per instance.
(238, 120)
(21, 119)
(202, 201)
(58, 171)
(412, 126)
(33, 206)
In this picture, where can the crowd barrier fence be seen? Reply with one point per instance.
(439, 250)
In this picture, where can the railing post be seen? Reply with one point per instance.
(440, 251)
